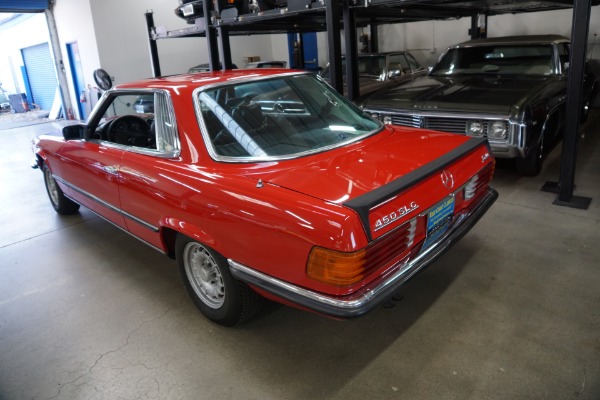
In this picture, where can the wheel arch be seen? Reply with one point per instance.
(550, 125)
(173, 227)
(40, 159)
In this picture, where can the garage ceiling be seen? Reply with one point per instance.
(23, 6)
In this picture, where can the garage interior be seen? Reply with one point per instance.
(510, 312)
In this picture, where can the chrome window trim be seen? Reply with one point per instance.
(226, 159)
(98, 112)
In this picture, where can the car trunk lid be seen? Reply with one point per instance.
(375, 178)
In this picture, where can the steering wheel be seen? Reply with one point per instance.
(127, 124)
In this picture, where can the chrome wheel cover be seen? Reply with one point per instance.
(51, 185)
(204, 275)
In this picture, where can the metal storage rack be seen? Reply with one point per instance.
(332, 15)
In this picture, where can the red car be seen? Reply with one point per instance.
(268, 183)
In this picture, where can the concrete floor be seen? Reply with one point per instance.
(511, 312)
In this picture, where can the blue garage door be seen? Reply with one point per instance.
(40, 73)
(23, 6)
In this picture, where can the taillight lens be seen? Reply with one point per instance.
(336, 268)
(471, 188)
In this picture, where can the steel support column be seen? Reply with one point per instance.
(351, 42)
(63, 86)
(478, 27)
(224, 45)
(211, 38)
(374, 37)
(154, 61)
(332, 17)
(579, 36)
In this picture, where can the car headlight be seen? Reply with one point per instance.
(387, 119)
(498, 130)
(475, 128)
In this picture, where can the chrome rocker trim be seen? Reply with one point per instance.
(370, 296)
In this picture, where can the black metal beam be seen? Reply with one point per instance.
(477, 31)
(332, 16)
(223, 38)
(579, 35)
(353, 89)
(211, 38)
(374, 38)
(154, 60)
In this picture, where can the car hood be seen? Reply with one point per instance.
(343, 174)
(480, 93)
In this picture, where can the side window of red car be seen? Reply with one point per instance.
(143, 121)
(164, 126)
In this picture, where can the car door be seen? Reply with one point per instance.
(147, 184)
(90, 169)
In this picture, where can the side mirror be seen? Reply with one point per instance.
(74, 132)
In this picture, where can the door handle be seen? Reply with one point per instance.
(111, 169)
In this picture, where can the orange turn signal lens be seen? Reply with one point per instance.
(336, 268)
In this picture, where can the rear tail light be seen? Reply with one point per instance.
(471, 188)
(344, 269)
(411, 232)
(479, 182)
(336, 268)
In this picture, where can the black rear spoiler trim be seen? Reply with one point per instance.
(367, 201)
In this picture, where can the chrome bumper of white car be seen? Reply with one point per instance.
(368, 297)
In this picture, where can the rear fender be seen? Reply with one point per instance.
(177, 226)
(40, 159)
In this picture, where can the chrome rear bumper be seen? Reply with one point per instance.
(370, 296)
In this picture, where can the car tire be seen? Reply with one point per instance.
(530, 165)
(207, 279)
(61, 204)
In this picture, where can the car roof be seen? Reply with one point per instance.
(189, 82)
(523, 39)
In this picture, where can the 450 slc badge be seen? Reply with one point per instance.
(394, 215)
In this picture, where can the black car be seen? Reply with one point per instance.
(382, 70)
(511, 90)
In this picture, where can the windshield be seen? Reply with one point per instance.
(498, 60)
(284, 117)
(369, 66)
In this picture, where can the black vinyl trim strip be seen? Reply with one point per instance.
(363, 204)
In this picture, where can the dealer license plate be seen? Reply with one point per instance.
(438, 220)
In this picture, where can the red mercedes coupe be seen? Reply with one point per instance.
(268, 183)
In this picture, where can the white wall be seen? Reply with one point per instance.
(279, 48)
(80, 30)
(123, 42)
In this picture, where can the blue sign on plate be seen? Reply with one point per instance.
(438, 220)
